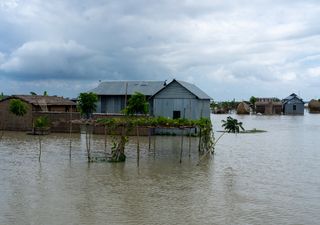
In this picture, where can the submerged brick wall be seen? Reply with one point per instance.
(59, 121)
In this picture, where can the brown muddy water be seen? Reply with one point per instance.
(263, 178)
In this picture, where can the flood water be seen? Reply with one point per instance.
(262, 178)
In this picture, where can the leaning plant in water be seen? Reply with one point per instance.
(230, 125)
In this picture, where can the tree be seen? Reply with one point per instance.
(18, 107)
(137, 104)
(232, 125)
(32, 93)
(87, 103)
(253, 101)
(45, 93)
(1, 96)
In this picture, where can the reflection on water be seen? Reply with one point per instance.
(264, 178)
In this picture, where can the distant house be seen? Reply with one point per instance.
(177, 99)
(42, 103)
(268, 106)
(293, 105)
(35, 104)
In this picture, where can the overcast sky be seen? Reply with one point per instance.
(230, 50)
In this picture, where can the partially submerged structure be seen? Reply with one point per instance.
(314, 106)
(293, 105)
(243, 108)
(268, 106)
(59, 107)
(176, 99)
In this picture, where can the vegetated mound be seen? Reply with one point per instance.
(243, 108)
(314, 106)
(252, 131)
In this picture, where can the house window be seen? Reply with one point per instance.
(176, 114)
(294, 107)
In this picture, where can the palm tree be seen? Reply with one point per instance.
(232, 125)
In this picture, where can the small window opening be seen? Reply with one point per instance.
(294, 107)
(176, 114)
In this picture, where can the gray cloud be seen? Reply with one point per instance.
(270, 48)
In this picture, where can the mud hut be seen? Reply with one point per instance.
(314, 106)
(243, 108)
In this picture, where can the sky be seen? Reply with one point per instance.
(230, 49)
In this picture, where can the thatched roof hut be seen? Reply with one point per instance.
(243, 108)
(314, 106)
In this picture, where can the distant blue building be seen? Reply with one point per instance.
(293, 105)
(176, 99)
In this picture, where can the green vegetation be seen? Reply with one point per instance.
(253, 131)
(18, 107)
(42, 125)
(232, 125)
(45, 93)
(137, 104)
(32, 93)
(41, 122)
(224, 106)
(1, 96)
(87, 103)
(126, 124)
(253, 100)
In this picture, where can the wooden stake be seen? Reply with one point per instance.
(189, 142)
(105, 140)
(181, 145)
(154, 146)
(70, 132)
(39, 147)
(199, 145)
(149, 137)
(138, 147)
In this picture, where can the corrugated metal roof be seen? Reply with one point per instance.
(292, 96)
(148, 88)
(119, 87)
(40, 100)
(190, 87)
(194, 90)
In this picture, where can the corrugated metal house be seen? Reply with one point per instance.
(112, 95)
(177, 99)
(180, 99)
(293, 105)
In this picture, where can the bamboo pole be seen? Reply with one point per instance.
(149, 137)
(138, 147)
(181, 145)
(154, 146)
(199, 145)
(39, 139)
(189, 142)
(105, 140)
(70, 132)
(88, 143)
